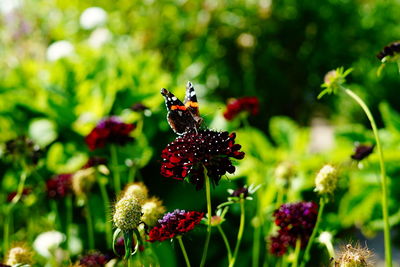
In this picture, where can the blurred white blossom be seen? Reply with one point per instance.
(7, 6)
(46, 243)
(93, 17)
(99, 37)
(59, 50)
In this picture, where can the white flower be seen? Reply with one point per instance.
(7, 6)
(59, 50)
(99, 37)
(93, 17)
(325, 237)
(47, 242)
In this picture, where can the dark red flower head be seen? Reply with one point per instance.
(139, 107)
(110, 130)
(362, 151)
(175, 223)
(241, 190)
(189, 154)
(59, 186)
(94, 259)
(25, 192)
(23, 148)
(94, 162)
(389, 50)
(296, 220)
(235, 106)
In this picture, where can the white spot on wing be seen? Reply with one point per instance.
(174, 98)
(192, 93)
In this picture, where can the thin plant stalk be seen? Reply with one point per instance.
(256, 245)
(115, 168)
(131, 174)
(10, 208)
(228, 248)
(240, 232)
(89, 224)
(183, 250)
(296, 252)
(384, 200)
(106, 204)
(314, 232)
(68, 206)
(206, 243)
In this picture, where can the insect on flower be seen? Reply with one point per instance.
(183, 117)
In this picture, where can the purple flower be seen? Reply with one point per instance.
(362, 151)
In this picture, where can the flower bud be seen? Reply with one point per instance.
(137, 190)
(326, 180)
(152, 211)
(19, 255)
(127, 213)
(284, 171)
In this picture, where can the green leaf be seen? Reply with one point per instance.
(116, 234)
(390, 117)
(283, 131)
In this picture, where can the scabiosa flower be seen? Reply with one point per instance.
(189, 154)
(175, 223)
(19, 255)
(334, 80)
(236, 106)
(390, 52)
(296, 220)
(23, 148)
(127, 213)
(241, 190)
(93, 259)
(152, 209)
(326, 180)
(110, 130)
(362, 151)
(94, 162)
(350, 256)
(59, 186)
(137, 190)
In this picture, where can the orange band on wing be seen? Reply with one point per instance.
(174, 107)
(192, 104)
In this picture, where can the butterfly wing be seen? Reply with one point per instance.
(179, 117)
(191, 103)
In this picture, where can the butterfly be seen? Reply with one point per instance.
(183, 117)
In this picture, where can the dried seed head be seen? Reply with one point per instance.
(326, 180)
(137, 190)
(19, 255)
(127, 213)
(152, 211)
(83, 180)
(357, 256)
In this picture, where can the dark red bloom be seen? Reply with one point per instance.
(25, 191)
(189, 154)
(110, 130)
(139, 107)
(59, 186)
(119, 246)
(389, 50)
(235, 106)
(175, 223)
(95, 161)
(23, 148)
(362, 151)
(296, 220)
(94, 259)
(239, 191)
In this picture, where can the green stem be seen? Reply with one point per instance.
(106, 204)
(131, 174)
(89, 224)
(10, 208)
(384, 188)
(330, 249)
(296, 252)
(240, 233)
(208, 196)
(228, 248)
(256, 245)
(115, 168)
(183, 250)
(314, 232)
(68, 205)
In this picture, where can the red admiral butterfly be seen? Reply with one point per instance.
(183, 117)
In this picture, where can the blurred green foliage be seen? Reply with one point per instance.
(278, 51)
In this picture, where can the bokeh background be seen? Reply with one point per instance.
(64, 67)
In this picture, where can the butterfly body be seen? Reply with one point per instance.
(183, 117)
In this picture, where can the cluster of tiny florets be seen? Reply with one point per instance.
(19, 255)
(326, 180)
(152, 210)
(357, 256)
(190, 154)
(59, 186)
(137, 190)
(175, 223)
(295, 220)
